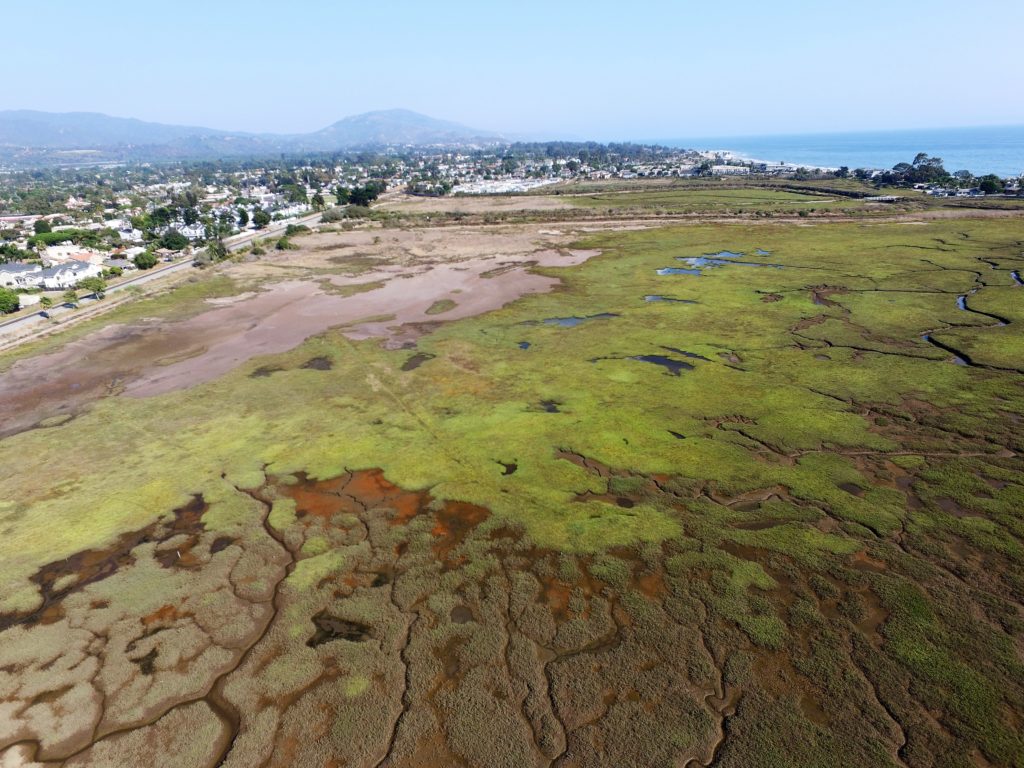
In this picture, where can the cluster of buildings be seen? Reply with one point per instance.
(58, 277)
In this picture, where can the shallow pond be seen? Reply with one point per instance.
(708, 261)
(684, 353)
(572, 322)
(655, 297)
(677, 271)
(724, 255)
(673, 367)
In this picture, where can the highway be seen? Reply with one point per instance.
(43, 317)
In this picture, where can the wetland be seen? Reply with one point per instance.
(489, 495)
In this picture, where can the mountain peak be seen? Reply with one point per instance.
(400, 126)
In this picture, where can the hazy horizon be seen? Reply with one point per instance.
(573, 70)
(667, 140)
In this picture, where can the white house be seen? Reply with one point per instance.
(729, 170)
(20, 275)
(55, 255)
(68, 274)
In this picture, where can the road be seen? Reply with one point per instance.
(18, 324)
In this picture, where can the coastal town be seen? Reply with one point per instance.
(68, 230)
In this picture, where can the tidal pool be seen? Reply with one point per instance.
(673, 367)
(710, 261)
(677, 271)
(572, 322)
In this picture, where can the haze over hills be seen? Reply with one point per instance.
(32, 133)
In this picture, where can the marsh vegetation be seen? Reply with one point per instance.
(589, 514)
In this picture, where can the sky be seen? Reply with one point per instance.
(645, 69)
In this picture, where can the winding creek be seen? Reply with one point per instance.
(697, 264)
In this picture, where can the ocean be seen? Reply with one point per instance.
(997, 149)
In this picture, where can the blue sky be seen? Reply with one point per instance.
(597, 69)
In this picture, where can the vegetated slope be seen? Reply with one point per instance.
(798, 544)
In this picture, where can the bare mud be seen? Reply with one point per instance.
(151, 357)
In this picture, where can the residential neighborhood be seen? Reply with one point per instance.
(60, 227)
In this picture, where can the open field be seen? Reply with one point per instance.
(604, 493)
(749, 200)
(473, 203)
(653, 199)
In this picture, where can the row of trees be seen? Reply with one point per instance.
(10, 300)
(361, 196)
(924, 169)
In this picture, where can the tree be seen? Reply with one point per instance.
(964, 177)
(45, 302)
(366, 194)
(260, 218)
(160, 217)
(243, 218)
(342, 194)
(318, 202)
(9, 301)
(94, 285)
(145, 260)
(295, 194)
(173, 240)
(42, 226)
(217, 250)
(843, 172)
(190, 216)
(990, 184)
(71, 296)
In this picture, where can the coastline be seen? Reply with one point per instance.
(997, 149)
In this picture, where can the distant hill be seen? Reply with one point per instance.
(87, 130)
(396, 126)
(51, 134)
